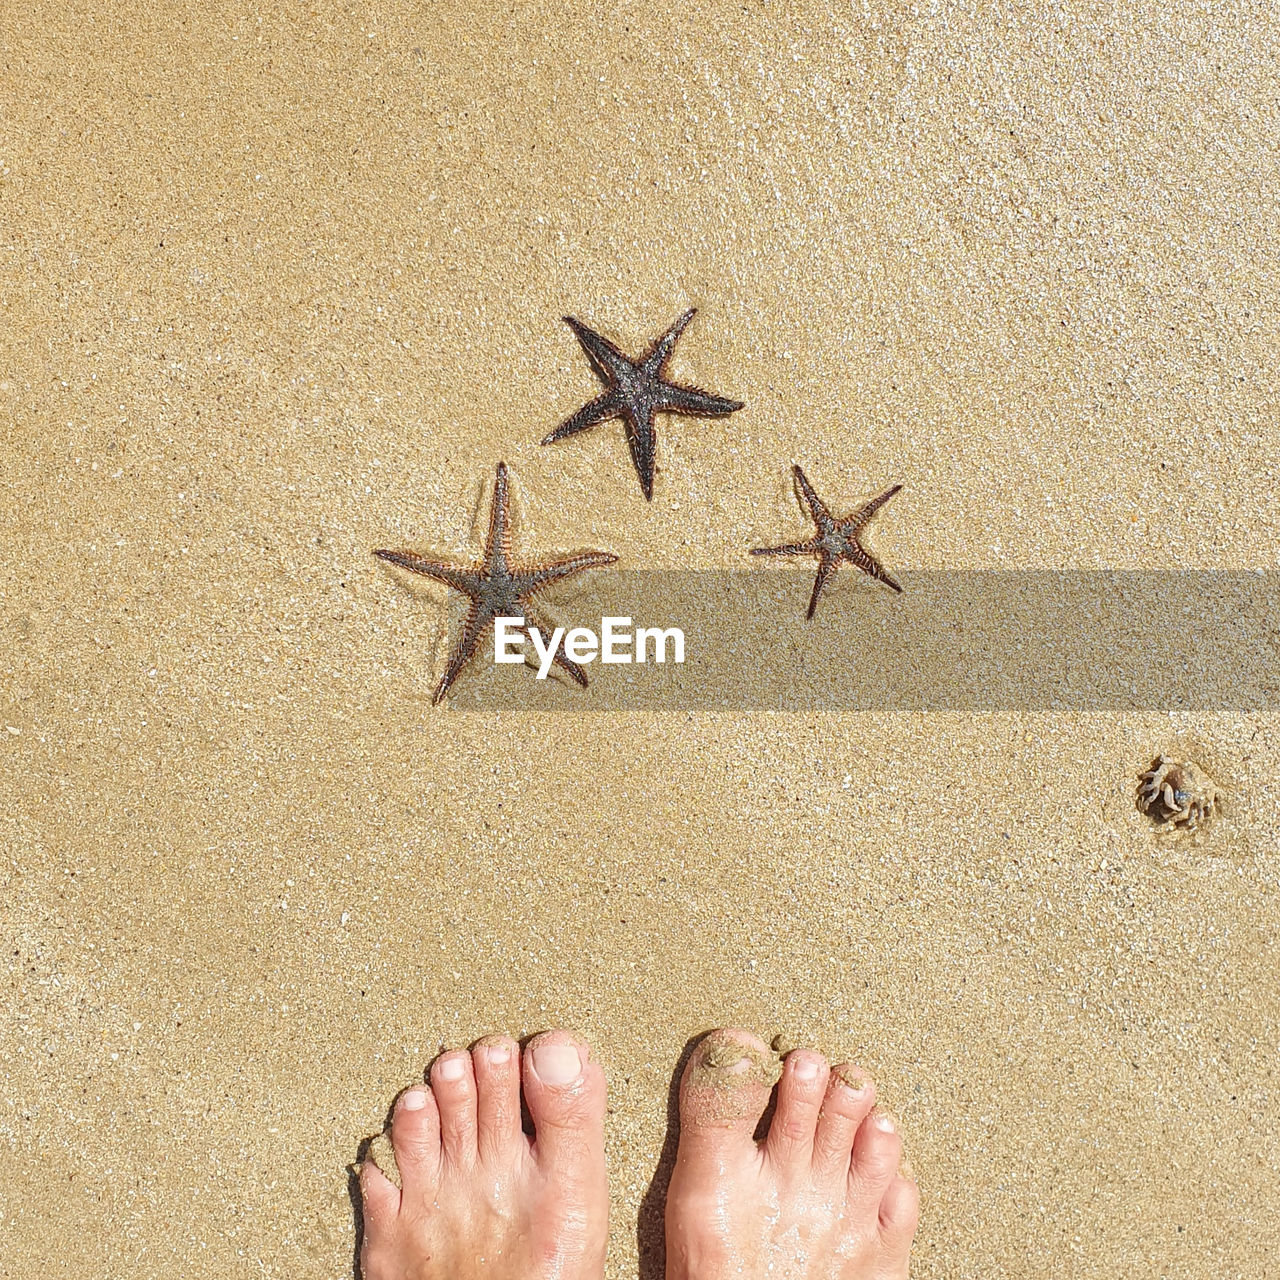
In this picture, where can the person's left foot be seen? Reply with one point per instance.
(820, 1198)
(478, 1197)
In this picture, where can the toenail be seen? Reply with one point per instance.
(414, 1100)
(722, 1057)
(805, 1069)
(497, 1055)
(451, 1070)
(885, 1123)
(557, 1064)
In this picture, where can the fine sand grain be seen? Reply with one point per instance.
(280, 284)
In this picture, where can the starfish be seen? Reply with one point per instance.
(837, 540)
(497, 587)
(635, 390)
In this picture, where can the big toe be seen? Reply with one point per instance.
(565, 1092)
(723, 1093)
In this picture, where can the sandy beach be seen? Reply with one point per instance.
(280, 285)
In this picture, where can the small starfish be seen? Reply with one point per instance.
(837, 539)
(498, 588)
(634, 391)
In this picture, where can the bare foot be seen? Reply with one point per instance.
(820, 1198)
(478, 1197)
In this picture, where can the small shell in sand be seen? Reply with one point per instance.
(1178, 795)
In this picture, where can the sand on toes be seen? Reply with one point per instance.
(458, 1191)
(819, 1197)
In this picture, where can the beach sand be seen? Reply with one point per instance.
(281, 284)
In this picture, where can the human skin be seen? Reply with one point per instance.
(820, 1197)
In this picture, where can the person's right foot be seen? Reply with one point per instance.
(820, 1198)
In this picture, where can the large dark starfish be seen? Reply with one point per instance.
(634, 391)
(837, 539)
(498, 588)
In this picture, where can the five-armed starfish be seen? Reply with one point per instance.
(837, 539)
(498, 588)
(634, 391)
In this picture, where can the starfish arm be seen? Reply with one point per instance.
(497, 544)
(606, 359)
(534, 578)
(658, 355)
(459, 579)
(571, 667)
(869, 564)
(789, 549)
(472, 631)
(826, 570)
(858, 521)
(642, 440)
(692, 400)
(560, 658)
(598, 410)
(817, 508)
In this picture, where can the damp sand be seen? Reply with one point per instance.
(281, 286)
